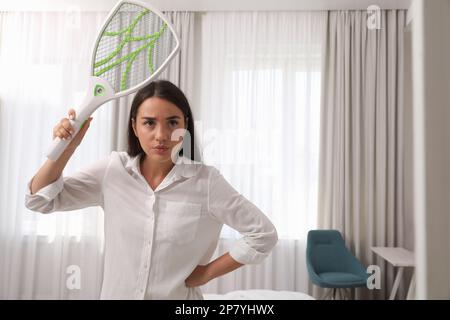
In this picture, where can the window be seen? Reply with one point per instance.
(260, 112)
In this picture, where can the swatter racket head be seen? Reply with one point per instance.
(135, 44)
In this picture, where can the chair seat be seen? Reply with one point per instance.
(341, 280)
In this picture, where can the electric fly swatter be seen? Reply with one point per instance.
(134, 45)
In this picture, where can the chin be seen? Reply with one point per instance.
(161, 157)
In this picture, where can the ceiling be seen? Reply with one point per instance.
(205, 5)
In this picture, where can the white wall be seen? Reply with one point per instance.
(431, 83)
(205, 5)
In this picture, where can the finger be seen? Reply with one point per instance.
(57, 128)
(64, 134)
(57, 132)
(72, 114)
(67, 125)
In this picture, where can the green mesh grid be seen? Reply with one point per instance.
(135, 43)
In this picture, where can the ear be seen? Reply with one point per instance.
(133, 124)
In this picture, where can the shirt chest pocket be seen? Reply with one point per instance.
(178, 221)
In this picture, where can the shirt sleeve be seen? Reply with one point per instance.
(79, 190)
(230, 207)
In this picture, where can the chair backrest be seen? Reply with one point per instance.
(326, 252)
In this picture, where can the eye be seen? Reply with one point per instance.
(149, 123)
(173, 123)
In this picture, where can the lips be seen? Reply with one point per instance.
(161, 147)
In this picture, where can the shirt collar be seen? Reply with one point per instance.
(184, 167)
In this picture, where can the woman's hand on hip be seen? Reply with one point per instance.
(198, 277)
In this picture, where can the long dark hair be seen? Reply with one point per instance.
(168, 91)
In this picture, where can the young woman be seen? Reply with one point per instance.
(163, 211)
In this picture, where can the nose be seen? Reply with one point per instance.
(162, 134)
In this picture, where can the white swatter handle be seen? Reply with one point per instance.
(99, 92)
(58, 146)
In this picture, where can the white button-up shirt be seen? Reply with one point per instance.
(154, 239)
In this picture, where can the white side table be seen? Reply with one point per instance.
(401, 258)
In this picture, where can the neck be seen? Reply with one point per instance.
(155, 168)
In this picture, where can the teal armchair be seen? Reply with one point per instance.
(330, 264)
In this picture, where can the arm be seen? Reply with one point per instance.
(81, 189)
(228, 206)
(214, 269)
(52, 170)
(48, 191)
(259, 235)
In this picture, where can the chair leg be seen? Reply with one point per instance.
(346, 293)
(324, 294)
(336, 294)
(327, 294)
(341, 294)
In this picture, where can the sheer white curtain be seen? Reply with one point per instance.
(259, 116)
(44, 63)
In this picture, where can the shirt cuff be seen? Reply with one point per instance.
(243, 253)
(48, 192)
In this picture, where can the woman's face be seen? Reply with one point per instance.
(156, 121)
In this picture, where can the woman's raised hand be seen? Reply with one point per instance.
(64, 130)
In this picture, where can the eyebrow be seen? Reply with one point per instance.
(168, 118)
